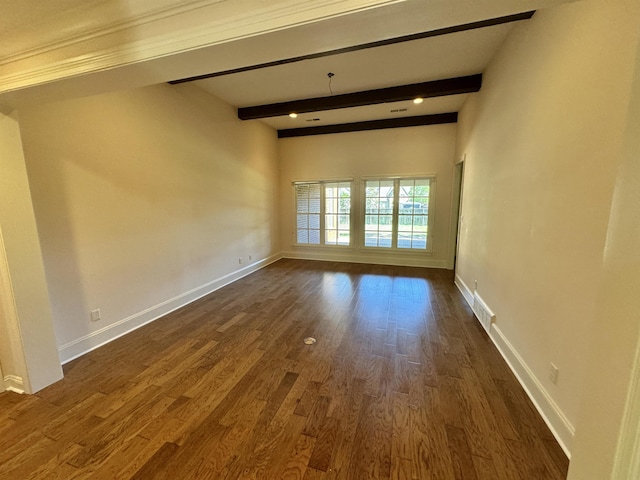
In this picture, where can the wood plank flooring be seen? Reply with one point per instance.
(402, 383)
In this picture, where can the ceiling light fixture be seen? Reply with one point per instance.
(418, 100)
(293, 115)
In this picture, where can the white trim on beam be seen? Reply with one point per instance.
(163, 32)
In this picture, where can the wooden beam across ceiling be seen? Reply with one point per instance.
(490, 22)
(436, 88)
(436, 119)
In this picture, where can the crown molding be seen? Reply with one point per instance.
(107, 29)
(164, 32)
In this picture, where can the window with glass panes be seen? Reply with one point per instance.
(397, 213)
(323, 213)
(378, 224)
(337, 213)
(413, 213)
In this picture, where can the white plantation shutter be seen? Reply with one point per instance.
(323, 213)
(308, 213)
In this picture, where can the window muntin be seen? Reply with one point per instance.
(397, 213)
(323, 213)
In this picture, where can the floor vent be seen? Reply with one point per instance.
(484, 313)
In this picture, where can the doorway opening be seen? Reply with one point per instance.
(456, 212)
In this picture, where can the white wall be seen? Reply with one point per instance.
(145, 200)
(27, 342)
(398, 151)
(542, 142)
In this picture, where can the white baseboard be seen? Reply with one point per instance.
(87, 343)
(366, 257)
(555, 419)
(13, 383)
(557, 422)
(466, 292)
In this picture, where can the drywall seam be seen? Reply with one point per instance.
(87, 343)
(552, 415)
(377, 259)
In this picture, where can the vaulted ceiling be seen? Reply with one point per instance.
(254, 52)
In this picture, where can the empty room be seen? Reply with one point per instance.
(356, 239)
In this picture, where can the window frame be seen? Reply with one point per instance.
(323, 212)
(395, 215)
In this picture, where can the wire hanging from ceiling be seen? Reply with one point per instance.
(330, 75)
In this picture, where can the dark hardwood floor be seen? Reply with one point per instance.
(402, 383)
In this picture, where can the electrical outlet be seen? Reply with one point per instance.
(250, 257)
(239, 260)
(553, 373)
(96, 315)
(475, 285)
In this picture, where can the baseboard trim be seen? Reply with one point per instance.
(557, 422)
(76, 348)
(466, 292)
(560, 426)
(13, 383)
(376, 259)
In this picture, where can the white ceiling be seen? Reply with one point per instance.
(417, 61)
(68, 48)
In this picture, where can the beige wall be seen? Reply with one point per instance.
(145, 200)
(542, 142)
(399, 151)
(613, 347)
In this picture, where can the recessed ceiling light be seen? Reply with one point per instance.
(418, 100)
(293, 115)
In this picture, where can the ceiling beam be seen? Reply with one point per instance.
(437, 88)
(435, 119)
(354, 48)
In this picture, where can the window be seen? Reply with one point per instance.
(397, 213)
(323, 213)
(337, 213)
(308, 212)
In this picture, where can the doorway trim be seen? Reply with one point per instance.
(627, 460)
(456, 209)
